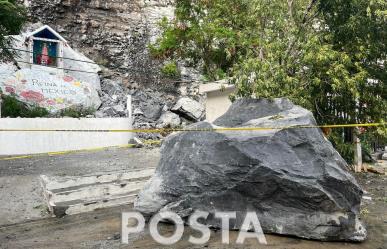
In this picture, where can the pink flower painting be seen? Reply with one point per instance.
(9, 89)
(32, 96)
(51, 102)
(68, 78)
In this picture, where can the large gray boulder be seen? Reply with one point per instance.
(293, 178)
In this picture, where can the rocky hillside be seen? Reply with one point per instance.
(116, 34)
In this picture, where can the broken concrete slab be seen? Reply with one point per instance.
(71, 195)
(294, 179)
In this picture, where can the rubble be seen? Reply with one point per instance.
(152, 108)
(189, 108)
(169, 120)
(294, 179)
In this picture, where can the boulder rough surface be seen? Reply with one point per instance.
(294, 179)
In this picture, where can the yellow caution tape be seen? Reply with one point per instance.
(201, 130)
(56, 153)
(165, 130)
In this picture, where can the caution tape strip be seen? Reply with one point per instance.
(202, 130)
(160, 131)
(56, 153)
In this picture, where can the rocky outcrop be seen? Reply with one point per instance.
(293, 178)
(151, 108)
(115, 34)
(49, 89)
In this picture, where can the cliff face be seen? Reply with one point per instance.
(114, 33)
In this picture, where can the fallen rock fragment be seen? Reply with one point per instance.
(294, 179)
(168, 120)
(189, 108)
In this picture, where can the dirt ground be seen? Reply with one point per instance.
(20, 192)
(23, 223)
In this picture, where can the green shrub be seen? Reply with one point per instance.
(13, 108)
(171, 70)
(346, 150)
(76, 112)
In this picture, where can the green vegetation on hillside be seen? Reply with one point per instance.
(12, 18)
(13, 108)
(326, 55)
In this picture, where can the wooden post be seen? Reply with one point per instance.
(358, 156)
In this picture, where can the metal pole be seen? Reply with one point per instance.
(358, 156)
(1, 100)
(129, 107)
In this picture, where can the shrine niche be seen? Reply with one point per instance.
(46, 47)
(45, 53)
(49, 73)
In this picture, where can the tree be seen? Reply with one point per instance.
(328, 55)
(12, 18)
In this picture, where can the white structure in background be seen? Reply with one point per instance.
(384, 156)
(51, 74)
(217, 98)
(24, 140)
(35, 142)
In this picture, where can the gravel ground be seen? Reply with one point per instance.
(22, 225)
(20, 192)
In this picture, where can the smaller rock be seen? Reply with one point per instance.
(136, 142)
(168, 120)
(117, 236)
(152, 111)
(165, 108)
(137, 111)
(99, 114)
(189, 108)
(119, 109)
(108, 111)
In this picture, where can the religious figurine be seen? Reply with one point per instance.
(45, 58)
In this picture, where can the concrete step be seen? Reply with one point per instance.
(72, 195)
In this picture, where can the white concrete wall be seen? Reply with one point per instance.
(19, 143)
(217, 103)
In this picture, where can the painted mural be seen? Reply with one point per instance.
(49, 90)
